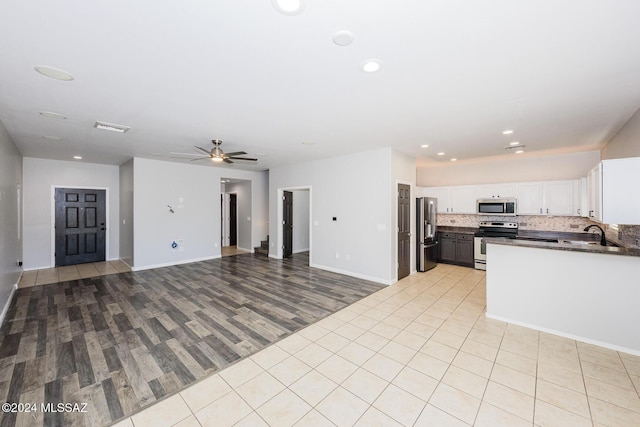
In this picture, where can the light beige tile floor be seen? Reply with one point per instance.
(71, 272)
(418, 353)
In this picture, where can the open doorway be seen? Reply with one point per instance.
(235, 214)
(294, 225)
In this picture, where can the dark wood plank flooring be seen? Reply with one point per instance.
(120, 342)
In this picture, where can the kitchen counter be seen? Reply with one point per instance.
(462, 230)
(575, 247)
(570, 290)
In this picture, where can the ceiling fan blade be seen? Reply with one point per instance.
(199, 158)
(203, 150)
(235, 153)
(243, 158)
(185, 154)
(226, 160)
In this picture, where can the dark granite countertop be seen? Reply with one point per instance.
(609, 250)
(535, 239)
(462, 230)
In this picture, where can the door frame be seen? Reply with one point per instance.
(279, 230)
(53, 218)
(412, 228)
(226, 218)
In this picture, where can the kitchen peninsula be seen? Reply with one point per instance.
(580, 291)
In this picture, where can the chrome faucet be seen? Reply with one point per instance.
(603, 240)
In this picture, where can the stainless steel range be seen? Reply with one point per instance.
(490, 229)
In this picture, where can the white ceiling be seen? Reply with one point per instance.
(564, 74)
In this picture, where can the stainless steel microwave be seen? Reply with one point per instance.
(498, 207)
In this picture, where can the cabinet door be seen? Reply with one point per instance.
(559, 198)
(620, 191)
(447, 247)
(530, 198)
(495, 191)
(463, 200)
(595, 193)
(440, 193)
(464, 250)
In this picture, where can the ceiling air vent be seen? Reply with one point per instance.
(514, 147)
(111, 126)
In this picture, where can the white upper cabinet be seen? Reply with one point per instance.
(456, 200)
(594, 180)
(560, 199)
(495, 191)
(440, 193)
(530, 198)
(621, 191)
(463, 199)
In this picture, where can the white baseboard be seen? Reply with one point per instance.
(5, 309)
(169, 264)
(610, 346)
(352, 274)
(297, 251)
(244, 249)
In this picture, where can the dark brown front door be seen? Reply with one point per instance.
(404, 230)
(80, 225)
(287, 224)
(233, 219)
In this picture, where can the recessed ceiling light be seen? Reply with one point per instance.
(77, 157)
(519, 151)
(52, 138)
(343, 38)
(371, 65)
(52, 115)
(54, 73)
(289, 7)
(441, 154)
(111, 126)
(514, 143)
(454, 160)
(507, 132)
(424, 146)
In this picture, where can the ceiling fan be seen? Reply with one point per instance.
(217, 155)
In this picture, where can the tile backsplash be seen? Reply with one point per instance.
(627, 235)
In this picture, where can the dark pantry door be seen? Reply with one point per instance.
(287, 224)
(80, 225)
(404, 230)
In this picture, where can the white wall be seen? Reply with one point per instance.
(243, 204)
(10, 238)
(126, 212)
(403, 170)
(40, 176)
(194, 193)
(356, 190)
(514, 169)
(300, 221)
(626, 143)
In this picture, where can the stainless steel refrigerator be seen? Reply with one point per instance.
(426, 229)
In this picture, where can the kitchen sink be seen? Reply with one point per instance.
(579, 242)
